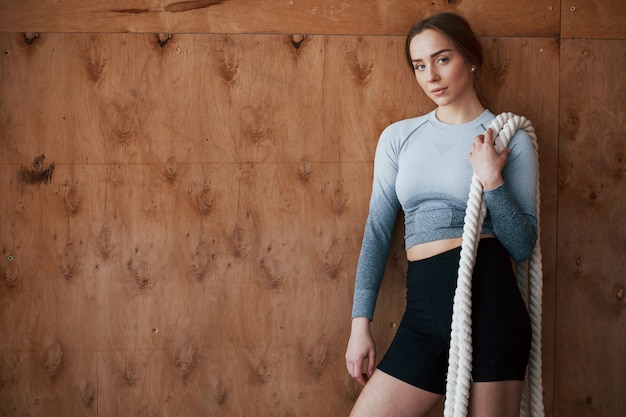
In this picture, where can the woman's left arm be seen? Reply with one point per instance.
(509, 184)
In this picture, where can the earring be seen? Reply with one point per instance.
(473, 68)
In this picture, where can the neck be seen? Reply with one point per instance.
(454, 113)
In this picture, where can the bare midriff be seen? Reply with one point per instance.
(428, 249)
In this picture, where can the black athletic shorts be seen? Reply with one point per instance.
(501, 333)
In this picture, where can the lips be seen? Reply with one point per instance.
(438, 91)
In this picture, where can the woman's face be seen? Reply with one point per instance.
(440, 69)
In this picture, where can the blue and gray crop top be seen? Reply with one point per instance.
(422, 166)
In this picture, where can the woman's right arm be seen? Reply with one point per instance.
(361, 348)
(383, 211)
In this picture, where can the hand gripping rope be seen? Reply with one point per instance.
(529, 277)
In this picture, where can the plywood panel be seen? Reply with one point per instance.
(590, 343)
(490, 17)
(212, 246)
(48, 321)
(193, 251)
(603, 19)
(131, 111)
(166, 108)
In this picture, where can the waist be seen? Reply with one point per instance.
(436, 247)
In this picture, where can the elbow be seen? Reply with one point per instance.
(525, 251)
(521, 256)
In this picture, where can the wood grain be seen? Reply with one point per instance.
(592, 234)
(490, 17)
(593, 19)
(204, 215)
(182, 206)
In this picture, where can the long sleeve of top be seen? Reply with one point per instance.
(421, 166)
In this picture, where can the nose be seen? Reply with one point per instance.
(432, 74)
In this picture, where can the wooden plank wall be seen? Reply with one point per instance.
(183, 189)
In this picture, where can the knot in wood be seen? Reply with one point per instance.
(54, 359)
(219, 393)
(185, 359)
(37, 174)
(88, 393)
(297, 40)
(72, 201)
(163, 39)
(30, 37)
(205, 201)
(130, 374)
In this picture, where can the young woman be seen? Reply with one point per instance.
(424, 166)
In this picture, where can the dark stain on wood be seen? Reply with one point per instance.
(163, 39)
(37, 174)
(297, 40)
(30, 37)
(185, 6)
(132, 11)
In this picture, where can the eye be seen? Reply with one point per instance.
(443, 60)
(419, 67)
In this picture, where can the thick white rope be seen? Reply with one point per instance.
(529, 278)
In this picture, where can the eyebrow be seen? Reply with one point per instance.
(434, 54)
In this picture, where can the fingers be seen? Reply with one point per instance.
(371, 363)
(484, 143)
(362, 379)
(355, 369)
(488, 137)
(361, 349)
(355, 372)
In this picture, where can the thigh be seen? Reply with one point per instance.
(495, 399)
(386, 396)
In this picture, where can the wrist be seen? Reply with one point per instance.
(360, 324)
(493, 183)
